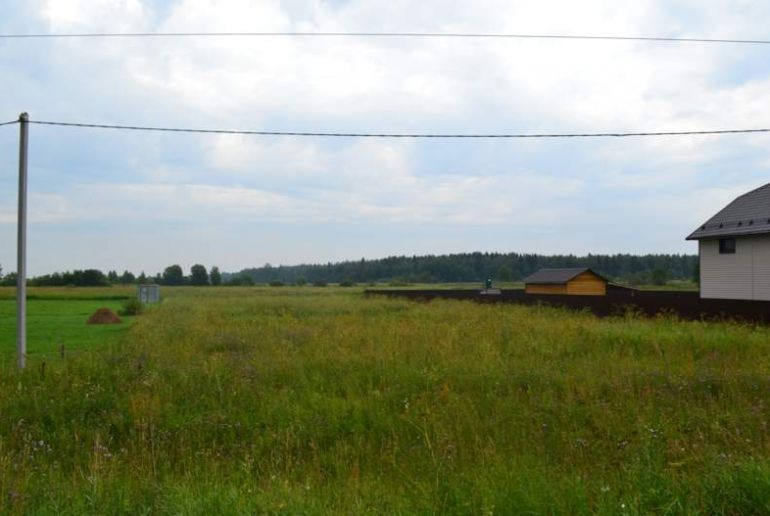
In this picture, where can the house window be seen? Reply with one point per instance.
(726, 246)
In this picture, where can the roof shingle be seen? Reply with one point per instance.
(748, 214)
(556, 276)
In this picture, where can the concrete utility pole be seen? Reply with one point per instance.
(21, 250)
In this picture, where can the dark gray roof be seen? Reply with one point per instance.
(556, 276)
(749, 214)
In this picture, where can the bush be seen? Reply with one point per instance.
(276, 283)
(131, 306)
(9, 280)
(659, 276)
(319, 283)
(240, 280)
(301, 281)
(347, 283)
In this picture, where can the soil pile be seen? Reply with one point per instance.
(104, 316)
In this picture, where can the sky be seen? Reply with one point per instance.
(141, 201)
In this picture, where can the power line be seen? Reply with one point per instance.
(384, 35)
(399, 135)
(9, 123)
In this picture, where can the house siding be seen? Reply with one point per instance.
(584, 284)
(761, 266)
(587, 284)
(742, 275)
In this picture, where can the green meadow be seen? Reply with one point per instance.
(323, 401)
(56, 322)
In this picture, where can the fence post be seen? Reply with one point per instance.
(21, 250)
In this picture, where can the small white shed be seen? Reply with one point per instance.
(148, 293)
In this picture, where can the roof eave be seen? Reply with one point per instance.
(578, 272)
(727, 234)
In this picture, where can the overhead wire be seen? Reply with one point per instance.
(471, 35)
(399, 135)
(390, 34)
(9, 123)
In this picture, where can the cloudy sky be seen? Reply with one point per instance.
(140, 201)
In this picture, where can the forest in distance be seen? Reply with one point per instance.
(650, 269)
(473, 267)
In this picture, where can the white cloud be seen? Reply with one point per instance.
(89, 15)
(396, 85)
(42, 209)
(400, 199)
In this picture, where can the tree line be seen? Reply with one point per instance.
(464, 267)
(171, 275)
(476, 267)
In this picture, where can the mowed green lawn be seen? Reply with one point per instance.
(56, 318)
(321, 401)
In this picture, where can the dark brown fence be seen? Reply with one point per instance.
(687, 305)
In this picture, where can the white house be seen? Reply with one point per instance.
(734, 249)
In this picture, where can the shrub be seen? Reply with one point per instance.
(659, 276)
(131, 306)
(240, 280)
(319, 283)
(347, 283)
(276, 283)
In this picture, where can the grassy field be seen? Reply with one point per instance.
(56, 318)
(318, 400)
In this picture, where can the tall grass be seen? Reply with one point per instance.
(321, 401)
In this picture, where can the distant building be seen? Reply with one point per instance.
(580, 281)
(148, 293)
(734, 249)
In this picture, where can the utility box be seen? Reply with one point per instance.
(148, 293)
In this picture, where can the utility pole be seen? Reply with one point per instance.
(21, 250)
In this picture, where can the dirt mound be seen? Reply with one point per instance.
(104, 316)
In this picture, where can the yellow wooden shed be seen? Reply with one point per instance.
(580, 281)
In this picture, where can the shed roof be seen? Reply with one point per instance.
(557, 276)
(748, 214)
